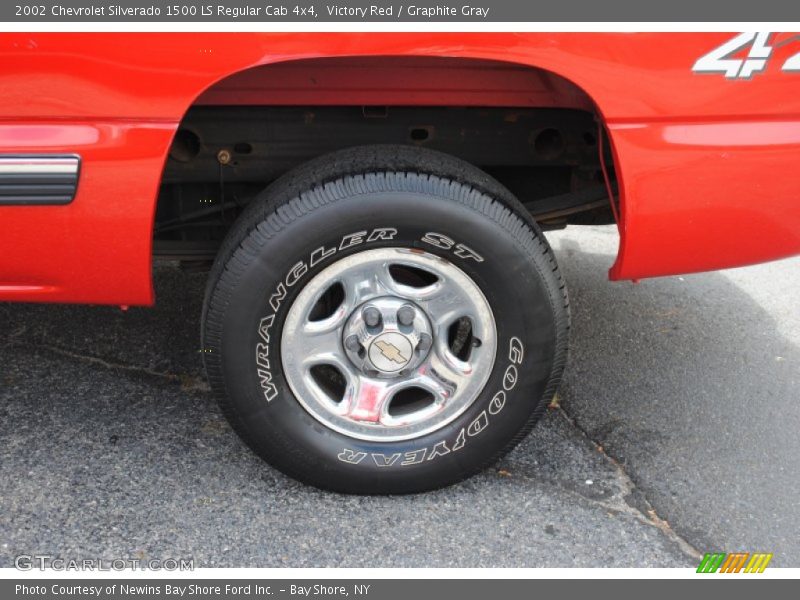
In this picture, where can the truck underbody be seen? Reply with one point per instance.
(222, 156)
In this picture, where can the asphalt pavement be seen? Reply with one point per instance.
(676, 434)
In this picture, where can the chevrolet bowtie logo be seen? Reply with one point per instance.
(391, 352)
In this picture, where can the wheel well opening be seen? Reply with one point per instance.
(534, 131)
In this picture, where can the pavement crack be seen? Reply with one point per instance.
(15, 335)
(646, 512)
(188, 382)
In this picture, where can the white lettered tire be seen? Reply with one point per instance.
(384, 320)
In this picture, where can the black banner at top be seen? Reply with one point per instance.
(366, 11)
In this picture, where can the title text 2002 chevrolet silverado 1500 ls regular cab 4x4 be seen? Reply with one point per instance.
(383, 313)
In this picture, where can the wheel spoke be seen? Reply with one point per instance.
(420, 295)
(446, 303)
(365, 283)
(445, 374)
(321, 344)
(367, 399)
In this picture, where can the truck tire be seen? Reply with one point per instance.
(384, 320)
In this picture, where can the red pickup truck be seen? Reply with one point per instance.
(383, 313)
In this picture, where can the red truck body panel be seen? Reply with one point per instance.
(705, 163)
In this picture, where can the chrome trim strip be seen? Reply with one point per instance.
(38, 179)
(49, 167)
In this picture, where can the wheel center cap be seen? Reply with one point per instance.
(387, 337)
(390, 352)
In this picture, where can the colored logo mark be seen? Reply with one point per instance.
(391, 352)
(737, 562)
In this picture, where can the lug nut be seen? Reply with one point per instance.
(352, 343)
(425, 342)
(372, 316)
(405, 315)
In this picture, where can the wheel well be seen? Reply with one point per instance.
(534, 131)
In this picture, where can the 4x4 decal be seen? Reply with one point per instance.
(721, 59)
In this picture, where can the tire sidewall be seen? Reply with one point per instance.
(274, 263)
